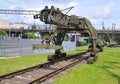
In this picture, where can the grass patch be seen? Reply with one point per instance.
(78, 50)
(105, 71)
(13, 64)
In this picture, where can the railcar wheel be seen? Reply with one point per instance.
(50, 58)
(95, 58)
(90, 60)
(63, 55)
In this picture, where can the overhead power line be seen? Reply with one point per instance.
(19, 12)
(26, 12)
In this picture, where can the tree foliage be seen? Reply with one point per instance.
(33, 27)
(29, 36)
(2, 33)
(66, 38)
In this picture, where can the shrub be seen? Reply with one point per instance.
(66, 38)
(2, 33)
(30, 36)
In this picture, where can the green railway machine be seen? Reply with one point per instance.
(62, 24)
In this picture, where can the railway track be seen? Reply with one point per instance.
(39, 73)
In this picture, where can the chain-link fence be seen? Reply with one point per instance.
(11, 46)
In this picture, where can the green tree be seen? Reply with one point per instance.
(33, 27)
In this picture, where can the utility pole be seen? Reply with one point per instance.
(103, 27)
(113, 31)
(103, 30)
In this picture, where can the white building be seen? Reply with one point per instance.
(4, 24)
(19, 26)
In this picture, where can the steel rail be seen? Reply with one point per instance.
(12, 74)
(45, 77)
(20, 72)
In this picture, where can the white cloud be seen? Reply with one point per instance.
(93, 21)
(105, 11)
(108, 9)
(72, 4)
(12, 7)
(118, 26)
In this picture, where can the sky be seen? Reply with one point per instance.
(97, 11)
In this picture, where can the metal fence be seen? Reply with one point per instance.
(11, 46)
